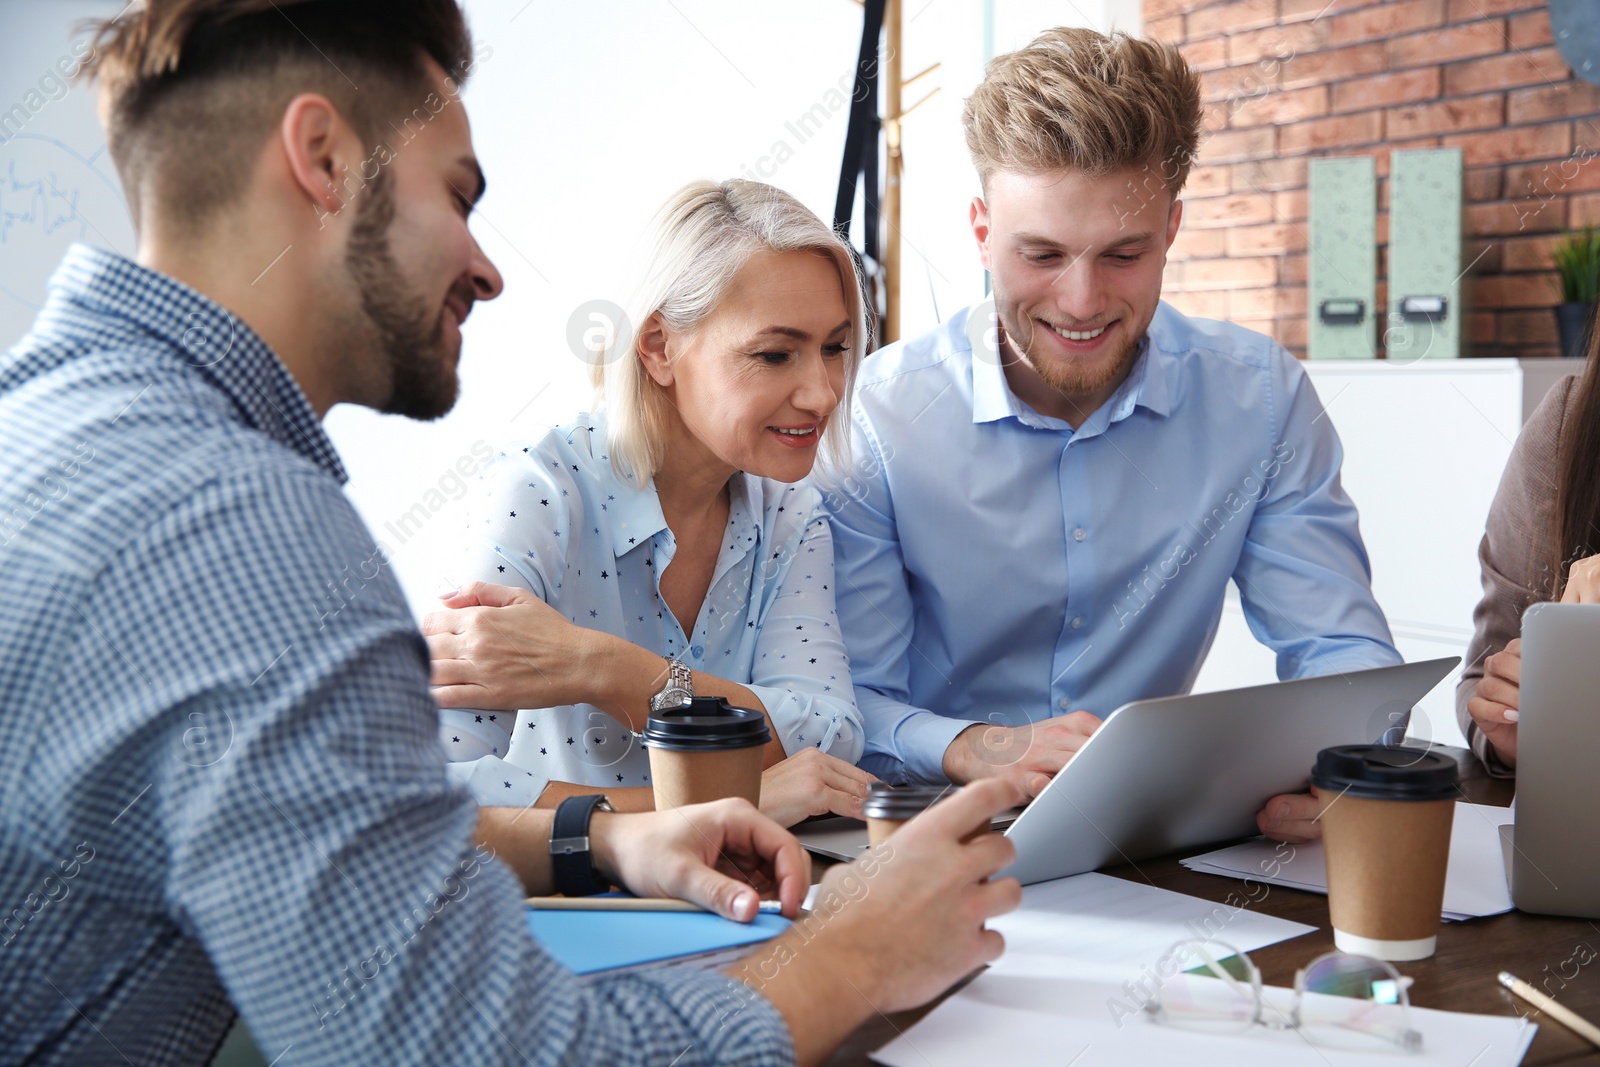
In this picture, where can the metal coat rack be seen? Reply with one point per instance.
(869, 134)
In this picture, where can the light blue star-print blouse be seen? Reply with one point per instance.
(555, 518)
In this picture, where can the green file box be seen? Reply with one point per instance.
(1343, 278)
(1425, 313)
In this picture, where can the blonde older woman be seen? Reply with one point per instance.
(663, 541)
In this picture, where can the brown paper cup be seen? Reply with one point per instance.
(1386, 868)
(887, 807)
(878, 830)
(680, 777)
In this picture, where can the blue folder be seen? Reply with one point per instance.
(586, 942)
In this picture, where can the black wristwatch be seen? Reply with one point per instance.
(571, 861)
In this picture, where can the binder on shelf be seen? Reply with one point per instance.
(1342, 270)
(1425, 314)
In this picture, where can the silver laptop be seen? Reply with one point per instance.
(1555, 855)
(839, 837)
(1178, 772)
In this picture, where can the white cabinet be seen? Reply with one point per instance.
(1424, 444)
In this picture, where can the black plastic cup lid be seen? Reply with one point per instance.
(901, 802)
(706, 724)
(1385, 772)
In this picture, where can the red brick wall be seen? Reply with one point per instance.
(1288, 80)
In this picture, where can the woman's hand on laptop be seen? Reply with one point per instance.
(1493, 706)
(1583, 582)
(1028, 755)
(1293, 817)
(811, 782)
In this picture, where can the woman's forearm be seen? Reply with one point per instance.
(626, 799)
(628, 676)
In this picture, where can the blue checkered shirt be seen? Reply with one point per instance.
(220, 775)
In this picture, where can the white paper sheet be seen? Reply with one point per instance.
(1097, 927)
(1475, 884)
(1035, 1021)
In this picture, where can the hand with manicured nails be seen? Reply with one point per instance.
(1493, 706)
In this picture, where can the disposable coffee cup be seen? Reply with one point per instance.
(1386, 819)
(888, 807)
(705, 750)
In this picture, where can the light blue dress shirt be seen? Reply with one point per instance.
(221, 788)
(996, 566)
(553, 517)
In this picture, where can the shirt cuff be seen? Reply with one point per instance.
(494, 783)
(468, 735)
(784, 706)
(921, 739)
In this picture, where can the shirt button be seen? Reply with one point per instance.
(1064, 704)
(698, 650)
(1079, 534)
(1077, 624)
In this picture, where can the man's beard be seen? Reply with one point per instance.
(1065, 376)
(423, 383)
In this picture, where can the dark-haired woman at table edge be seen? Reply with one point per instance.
(1542, 543)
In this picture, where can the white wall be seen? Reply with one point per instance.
(586, 116)
(56, 183)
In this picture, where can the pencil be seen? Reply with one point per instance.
(1563, 1015)
(629, 904)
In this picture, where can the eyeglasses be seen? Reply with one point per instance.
(1214, 988)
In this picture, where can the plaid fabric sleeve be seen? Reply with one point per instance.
(310, 839)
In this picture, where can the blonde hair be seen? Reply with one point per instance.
(1077, 99)
(704, 235)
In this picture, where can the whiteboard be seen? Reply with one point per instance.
(57, 184)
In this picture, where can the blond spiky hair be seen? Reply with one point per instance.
(1076, 99)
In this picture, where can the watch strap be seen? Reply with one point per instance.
(571, 860)
(679, 687)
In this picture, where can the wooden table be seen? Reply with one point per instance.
(1460, 976)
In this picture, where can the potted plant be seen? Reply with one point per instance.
(1578, 263)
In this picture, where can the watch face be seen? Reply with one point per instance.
(669, 698)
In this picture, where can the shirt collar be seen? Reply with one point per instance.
(636, 514)
(992, 399)
(208, 339)
(745, 497)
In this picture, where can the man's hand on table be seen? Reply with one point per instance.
(1294, 817)
(1028, 755)
(895, 928)
(725, 856)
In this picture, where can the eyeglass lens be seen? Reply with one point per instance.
(1369, 1012)
(1211, 989)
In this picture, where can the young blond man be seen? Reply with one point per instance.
(217, 795)
(1062, 480)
